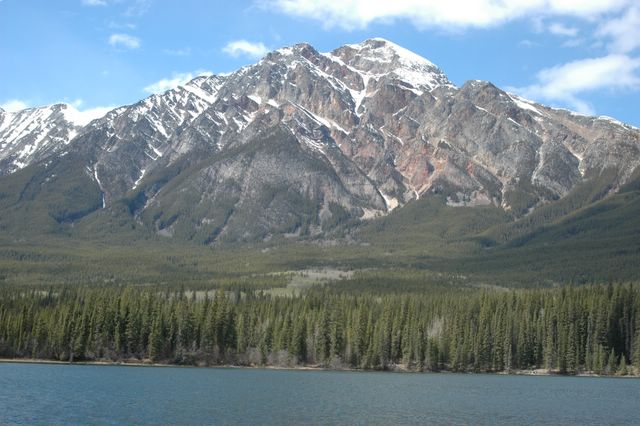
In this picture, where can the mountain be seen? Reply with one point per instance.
(303, 143)
(30, 135)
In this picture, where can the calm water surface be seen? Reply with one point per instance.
(83, 394)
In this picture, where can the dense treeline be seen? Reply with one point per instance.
(591, 328)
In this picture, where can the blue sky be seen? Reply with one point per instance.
(578, 54)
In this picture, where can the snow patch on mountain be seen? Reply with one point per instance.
(401, 63)
(617, 122)
(524, 104)
(33, 133)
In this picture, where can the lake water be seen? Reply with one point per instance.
(84, 394)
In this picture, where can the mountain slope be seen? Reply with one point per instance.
(303, 143)
(33, 134)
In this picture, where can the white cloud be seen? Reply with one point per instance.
(138, 7)
(176, 80)
(537, 24)
(84, 117)
(527, 43)
(245, 48)
(358, 14)
(564, 83)
(178, 52)
(77, 103)
(14, 105)
(570, 83)
(560, 29)
(573, 42)
(624, 32)
(132, 7)
(90, 114)
(124, 40)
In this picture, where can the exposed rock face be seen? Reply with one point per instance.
(302, 140)
(129, 141)
(271, 184)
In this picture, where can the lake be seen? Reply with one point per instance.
(88, 394)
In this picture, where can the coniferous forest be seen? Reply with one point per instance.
(567, 330)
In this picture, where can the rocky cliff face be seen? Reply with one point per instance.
(304, 140)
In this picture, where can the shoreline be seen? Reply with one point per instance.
(398, 369)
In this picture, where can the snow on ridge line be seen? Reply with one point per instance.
(195, 87)
(285, 51)
(524, 103)
(413, 69)
(405, 55)
(600, 117)
(415, 79)
(68, 111)
(6, 119)
(616, 122)
(25, 122)
(199, 93)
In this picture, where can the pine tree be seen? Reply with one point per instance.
(299, 340)
(612, 363)
(155, 339)
(622, 367)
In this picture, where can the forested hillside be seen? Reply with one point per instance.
(567, 330)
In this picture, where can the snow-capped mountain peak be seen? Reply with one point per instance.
(380, 49)
(33, 133)
(378, 57)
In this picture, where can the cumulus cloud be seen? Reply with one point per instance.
(573, 42)
(177, 79)
(245, 48)
(358, 14)
(560, 29)
(569, 83)
(132, 8)
(14, 105)
(85, 116)
(88, 115)
(624, 31)
(565, 83)
(124, 40)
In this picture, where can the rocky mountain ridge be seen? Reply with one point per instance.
(302, 141)
(32, 134)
